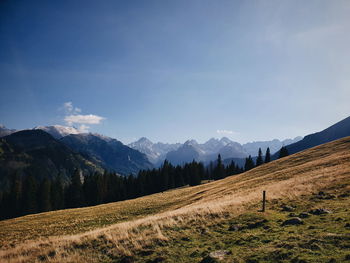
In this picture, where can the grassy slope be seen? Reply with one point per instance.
(184, 225)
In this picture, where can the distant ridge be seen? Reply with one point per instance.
(338, 130)
(5, 131)
(108, 152)
(205, 152)
(37, 153)
(58, 131)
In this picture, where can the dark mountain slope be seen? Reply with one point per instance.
(37, 153)
(339, 130)
(5, 131)
(108, 152)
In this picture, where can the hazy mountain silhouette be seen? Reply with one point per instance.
(339, 130)
(108, 152)
(38, 153)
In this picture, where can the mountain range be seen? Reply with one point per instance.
(109, 153)
(52, 150)
(339, 130)
(101, 151)
(58, 131)
(37, 153)
(205, 152)
(5, 131)
(176, 153)
(155, 152)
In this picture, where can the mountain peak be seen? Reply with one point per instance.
(5, 131)
(191, 142)
(58, 131)
(225, 140)
(144, 140)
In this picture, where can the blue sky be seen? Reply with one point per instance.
(174, 70)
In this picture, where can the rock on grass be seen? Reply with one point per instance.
(304, 215)
(287, 208)
(319, 211)
(215, 256)
(293, 221)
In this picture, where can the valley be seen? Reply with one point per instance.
(195, 220)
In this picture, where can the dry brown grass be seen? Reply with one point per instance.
(74, 236)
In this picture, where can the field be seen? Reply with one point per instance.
(216, 221)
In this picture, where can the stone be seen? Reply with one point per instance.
(257, 224)
(304, 215)
(219, 254)
(234, 228)
(287, 208)
(293, 221)
(319, 211)
(215, 256)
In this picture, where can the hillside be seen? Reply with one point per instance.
(58, 131)
(37, 153)
(213, 222)
(5, 131)
(336, 131)
(108, 152)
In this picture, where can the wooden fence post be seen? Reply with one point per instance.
(264, 201)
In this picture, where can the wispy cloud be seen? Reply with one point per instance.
(70, 109)
(84, 128)
(226, 132)
(73, 117)
(83, 119)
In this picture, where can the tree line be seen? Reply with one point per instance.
(28, 195)
(250, 164)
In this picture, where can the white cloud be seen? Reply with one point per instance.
(74, 118)
(225, 132)
(84, 128)
(70, 109)
(83, 119)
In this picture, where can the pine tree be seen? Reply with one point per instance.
(211, 171)
(249, 163)
(165, 175)
(267, 155)
(74, 193)
(283, 152)
(14, 198)
(29, 196)
(231, 169)
(44, 196)
(57, 194)
(194, 174)
(259, 160)
(219, 170)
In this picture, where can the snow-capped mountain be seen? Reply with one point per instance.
(58, 131)
(205, 152)
(213, 146)
(155, 152)
(108, 152)
(275, 145)
(5, 131)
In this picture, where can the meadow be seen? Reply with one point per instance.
(216, 221)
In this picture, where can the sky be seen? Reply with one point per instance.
(176, 70)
